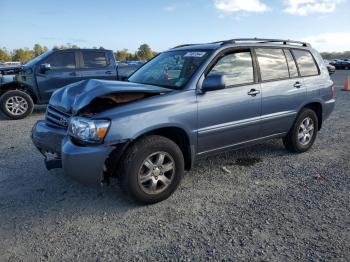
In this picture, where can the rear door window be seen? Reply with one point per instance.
(94, 59)
(306, 62)
(293, 71)
(237, 68)
(62, 60)
(272, 63)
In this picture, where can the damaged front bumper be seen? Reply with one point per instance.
(83, 163)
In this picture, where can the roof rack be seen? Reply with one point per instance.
(254, 40)
(263, 40)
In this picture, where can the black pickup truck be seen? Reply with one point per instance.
(35, 81)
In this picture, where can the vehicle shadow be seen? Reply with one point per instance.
(248, 156)
(39, 109)
(57, 194)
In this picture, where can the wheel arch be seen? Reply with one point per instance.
(179, 136)
(317, 108)
(174, 133)
(16, 86)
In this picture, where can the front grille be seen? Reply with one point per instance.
(56, 117)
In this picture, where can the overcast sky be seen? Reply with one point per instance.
(118, 24)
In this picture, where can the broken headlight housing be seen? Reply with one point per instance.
(88, 130)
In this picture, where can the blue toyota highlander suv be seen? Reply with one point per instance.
(189, 102)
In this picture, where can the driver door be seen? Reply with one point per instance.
(230, 117)
(63, 72)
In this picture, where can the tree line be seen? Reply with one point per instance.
(144, 53)
(21, 54)
(335, 55)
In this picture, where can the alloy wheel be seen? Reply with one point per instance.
(306, 131)
(156, 173)
(16, 105)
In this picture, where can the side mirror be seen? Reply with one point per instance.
(44, 67)
(213, 82)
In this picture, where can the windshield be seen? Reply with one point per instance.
(171, 69)
(38, 58)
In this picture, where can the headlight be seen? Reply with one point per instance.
(88, 130)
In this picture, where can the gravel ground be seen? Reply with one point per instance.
(259, 203)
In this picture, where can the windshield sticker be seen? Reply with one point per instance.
(194, 54)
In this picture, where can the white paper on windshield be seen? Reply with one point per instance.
(194, 54)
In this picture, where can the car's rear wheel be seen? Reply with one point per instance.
(16, 104)
(151, 169)
(303, 133)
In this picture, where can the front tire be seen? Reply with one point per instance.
(151, 169)
(16, 104)
(302, 135)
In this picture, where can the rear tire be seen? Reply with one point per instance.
(151, 169)
(303, 133)
(16, 104)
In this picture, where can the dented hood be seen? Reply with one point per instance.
(76, 96)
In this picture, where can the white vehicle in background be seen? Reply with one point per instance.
(10, 64)
(330, 67)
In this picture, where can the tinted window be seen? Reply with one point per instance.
(93, 59)
(306, 63)
(62, 60)
(293, 71)
(237, 68)
(273, 64)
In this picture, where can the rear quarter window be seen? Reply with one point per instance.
(306, 62)
(272, 64)
(94, 59)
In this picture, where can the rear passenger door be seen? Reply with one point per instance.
(94, 64)
(283, 92)
(309, 71)
(231, 116)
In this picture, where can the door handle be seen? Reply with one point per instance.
(108, 72)
(253, 92)
(297, 85)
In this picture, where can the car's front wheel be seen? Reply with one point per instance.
(151, 169)
(303, 133)
(16, 104)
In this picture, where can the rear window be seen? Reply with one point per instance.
(272, 63)
(94, 59)
(306, 63)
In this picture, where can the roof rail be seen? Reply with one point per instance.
(178, 46)
(264, 40)
(254, 40)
